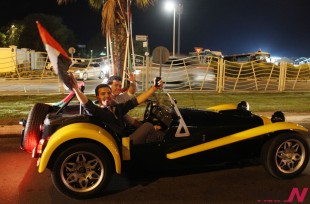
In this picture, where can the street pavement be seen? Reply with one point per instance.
(21, 183)
(10, 129)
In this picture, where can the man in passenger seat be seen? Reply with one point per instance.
(115, 82)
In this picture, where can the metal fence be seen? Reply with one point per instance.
(210, 74)
(218, 75)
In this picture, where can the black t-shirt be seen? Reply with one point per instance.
(113, 119)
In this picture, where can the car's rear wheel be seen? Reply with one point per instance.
(82, 171)
(285, 156)
(32, 132)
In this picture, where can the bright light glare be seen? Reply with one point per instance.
(136, 72)
(169, 5)
(106, 68)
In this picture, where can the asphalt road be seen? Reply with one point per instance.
(21, 183)
(37, 86)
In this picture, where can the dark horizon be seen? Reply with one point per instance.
(232, 27)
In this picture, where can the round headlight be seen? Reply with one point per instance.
(278, 116)
(243, 105)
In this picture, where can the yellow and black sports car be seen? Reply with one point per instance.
(83, 153)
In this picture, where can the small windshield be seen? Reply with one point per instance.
(164, 99)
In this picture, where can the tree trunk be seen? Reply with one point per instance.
(119, 38)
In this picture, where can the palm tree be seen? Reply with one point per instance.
(116, 26)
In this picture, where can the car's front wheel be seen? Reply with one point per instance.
(85, 76)
(286, 155)
(82, 171)
(101, 75)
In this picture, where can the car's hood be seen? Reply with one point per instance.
(226, 121)
(194, 117)
(228, 114)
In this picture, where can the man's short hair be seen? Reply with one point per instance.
(112, 78)
(101, 86)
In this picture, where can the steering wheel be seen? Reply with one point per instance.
(148, 111)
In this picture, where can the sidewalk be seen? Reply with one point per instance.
(11, 127)
(10, 130)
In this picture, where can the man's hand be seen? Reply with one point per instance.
(133, 87)
(158, 83)
(73, 81)
(79, 94)
(157, 127)
(132, 77)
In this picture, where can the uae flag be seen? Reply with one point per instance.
(57, 55)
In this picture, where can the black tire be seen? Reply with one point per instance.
(285, 156)
(82, 171)
(32, 133)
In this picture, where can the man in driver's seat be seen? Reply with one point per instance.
(115, 83)
(112, 113)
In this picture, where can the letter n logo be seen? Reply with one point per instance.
(300, 196)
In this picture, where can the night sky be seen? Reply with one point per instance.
(280, 27)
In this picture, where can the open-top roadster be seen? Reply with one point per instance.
(82, 153)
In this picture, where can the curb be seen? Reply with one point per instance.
(10, 129)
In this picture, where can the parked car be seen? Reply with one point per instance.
(82, 153)
(89, 70)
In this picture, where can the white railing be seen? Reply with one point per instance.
(185, 74)
(215, 74)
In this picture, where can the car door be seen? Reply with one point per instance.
(94, 70)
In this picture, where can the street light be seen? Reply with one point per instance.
(171, 6)
(179, 9)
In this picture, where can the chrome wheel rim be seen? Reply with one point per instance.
(82, 171)
(290, 156)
